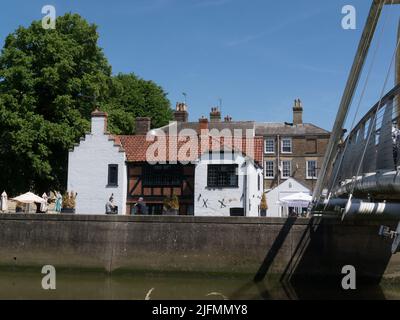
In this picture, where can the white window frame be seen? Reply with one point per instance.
(273, 168)
(308, 177)
(291, 145)
(290, 169)
(273, 146)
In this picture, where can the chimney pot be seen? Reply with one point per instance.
(228, 119)
(215, 115)
(180, 113)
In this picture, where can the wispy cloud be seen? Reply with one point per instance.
(272, 30)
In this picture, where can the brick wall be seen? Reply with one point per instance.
(303, 148)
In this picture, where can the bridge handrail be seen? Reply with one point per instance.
(376, 107)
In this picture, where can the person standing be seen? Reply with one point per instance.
(140, 207)
(58, 205)
(110, 206)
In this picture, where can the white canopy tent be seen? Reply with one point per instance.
(29, 198)
(297, 200)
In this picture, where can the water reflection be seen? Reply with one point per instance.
(27, 285)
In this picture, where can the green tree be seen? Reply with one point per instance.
(48, 81)
(132, 97)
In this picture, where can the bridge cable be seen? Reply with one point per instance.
(353, 124)
(372, 125)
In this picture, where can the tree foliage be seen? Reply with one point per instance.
(132, 97)
(50, 81)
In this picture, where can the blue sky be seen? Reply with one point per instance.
(256, 55)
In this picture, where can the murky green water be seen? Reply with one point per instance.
(27, 285)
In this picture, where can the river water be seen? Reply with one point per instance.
(28, 285)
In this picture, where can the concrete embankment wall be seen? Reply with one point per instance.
(231, 245)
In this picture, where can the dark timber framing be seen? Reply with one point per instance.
(155, 194)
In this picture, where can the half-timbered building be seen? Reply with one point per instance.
(209, 173)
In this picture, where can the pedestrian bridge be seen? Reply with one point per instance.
(366, 161)
(361, 170)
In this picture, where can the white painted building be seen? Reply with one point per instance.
(228, 186)
(223, 183)
(97, 169)
(286, 188)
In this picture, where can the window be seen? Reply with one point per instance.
(259, 183)
(113, 175)
(286, 145)
(311, 168)
(162, 175)
(286, 169)
(222, 176)
(270, 145)
(270, 169)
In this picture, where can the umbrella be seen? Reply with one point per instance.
(4, 200)
(44, 205)
(297, 200)
(29, 197)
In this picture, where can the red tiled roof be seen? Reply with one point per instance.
(136, 147)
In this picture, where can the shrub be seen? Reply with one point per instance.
(69, 200)
(264, 205)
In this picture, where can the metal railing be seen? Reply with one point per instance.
(366, 161)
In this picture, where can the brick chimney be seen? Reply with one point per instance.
(228, 119)
(181, 114)
(297, 112)
(142, 125)
(99, 122)
(215, 115)
(203, 124)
